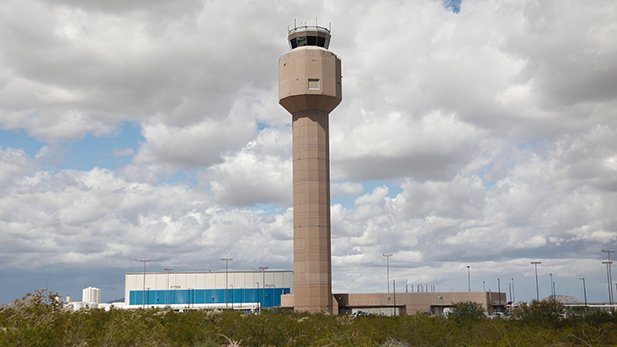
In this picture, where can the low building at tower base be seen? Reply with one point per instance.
(409, 303)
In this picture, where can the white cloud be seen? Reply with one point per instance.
(15, 163)
(378, 147)
(339, 189)
(259, 173)
(497, 122)
(94, 218)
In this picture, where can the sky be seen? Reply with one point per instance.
(478, 133)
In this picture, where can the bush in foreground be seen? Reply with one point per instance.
(39, 322)
(467, 311)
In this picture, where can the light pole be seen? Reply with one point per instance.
(167, 288)
(232, 296)
(468, 279)
(499, 292)
(263, 280)
(226, 260)
(610, 273)
(552, 295)
(394, 290)
(46, 282)
(484, 286)
(388, 255)
(143, 294)
(259, 308)
(535, 263)
(608, 278)
(513, 293)
(584, 293)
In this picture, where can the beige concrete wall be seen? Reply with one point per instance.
(287, 301)
(418, 302)
(310, 79)
(311, 199)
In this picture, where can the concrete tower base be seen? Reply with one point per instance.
(311, 188)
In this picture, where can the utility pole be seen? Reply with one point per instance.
(608, 278)
(259, 308)
(143, 295)
(167, 288)
(468, 279)
(535, 263)
(513, 293)
(263, 281)
(394, 289)
(226, 260)
(499, 292)
(388, 255)
(585, 293)
(610, 274)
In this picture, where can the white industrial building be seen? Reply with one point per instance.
(91, 294)
(90, 298)
(197, 289)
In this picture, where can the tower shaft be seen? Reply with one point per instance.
(311, 213)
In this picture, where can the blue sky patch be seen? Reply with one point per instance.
(454, 5)
(369, 187)
(489, 184)
(183, 176)
(261, 126)
(105, 152)
(18, 139)
(267, 209)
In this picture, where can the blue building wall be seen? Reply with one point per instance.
(268, 297)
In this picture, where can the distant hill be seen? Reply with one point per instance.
(21, 301)
(567, 299)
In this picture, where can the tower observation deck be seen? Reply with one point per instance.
(310, 88)
(309, 36)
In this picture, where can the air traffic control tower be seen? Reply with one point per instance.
(310, 88)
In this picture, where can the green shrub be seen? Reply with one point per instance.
(467, 310)
(545, 313)
(38, 321)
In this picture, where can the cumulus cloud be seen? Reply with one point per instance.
(496, 123)
(94, 217)
(435, 146)
(259, 173)
(15, 163)
(339, 189)
(536, 206)
(64, 61)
